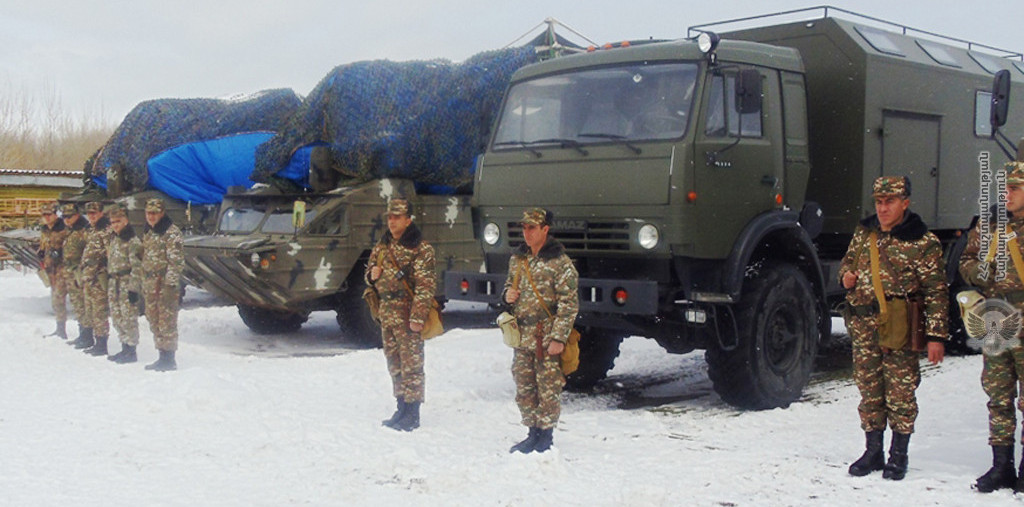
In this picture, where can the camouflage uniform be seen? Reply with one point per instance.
(163, 258)
(124, 266)
(51, 249)
(403, 348)
(94, 274)
(537, 374)
(74, 246)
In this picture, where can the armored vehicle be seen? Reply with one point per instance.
(707, 188)
(279, 265)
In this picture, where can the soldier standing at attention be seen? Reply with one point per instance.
(124, 266)
(542, 287)
(401, 269)
(910, 263)
(163, 257)
(74, 245)
(51, 253)
(94, 277)
(1002, 372)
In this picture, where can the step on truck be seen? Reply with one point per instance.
(281, 256)
(707, 188)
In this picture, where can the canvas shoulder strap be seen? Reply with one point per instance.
(876, 276)
(529, 278)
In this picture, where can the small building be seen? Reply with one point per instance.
(22, 191)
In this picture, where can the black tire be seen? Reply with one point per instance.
(598, 350)
(354, 319)
(777, 320)
(265, 321)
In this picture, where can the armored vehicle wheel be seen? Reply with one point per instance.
(598, 350)
(354, 319)
(264, 321)
(777, 343)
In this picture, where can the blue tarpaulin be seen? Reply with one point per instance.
(201, 172)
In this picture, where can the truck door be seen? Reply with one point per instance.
(910, 147)
(738, 159)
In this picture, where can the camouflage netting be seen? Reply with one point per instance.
(157, 125)
(422, 120)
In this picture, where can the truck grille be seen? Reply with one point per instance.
(587, 237)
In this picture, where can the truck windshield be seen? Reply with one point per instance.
(280, 221)
(624, 103)
(240, 220)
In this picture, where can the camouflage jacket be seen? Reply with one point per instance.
(74, 243)
(911, 262)
(972, 267)
(163, 252)
(409, 255)
(94, 257)
(124, 258)
(555, 278)
(51, 244)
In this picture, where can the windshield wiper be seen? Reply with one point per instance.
(564, 143)
(520, 144)
(635, 149)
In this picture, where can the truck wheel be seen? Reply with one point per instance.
(598, 350)
(354, 319)
(777, 343)
(265, 321)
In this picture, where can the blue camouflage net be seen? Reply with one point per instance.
(421, 120)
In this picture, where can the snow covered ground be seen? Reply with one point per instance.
(282, 420)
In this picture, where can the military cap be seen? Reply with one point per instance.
(1015, 173)
(49, 208)
(93, 206)
(69, 209)
(536, 216)
(399, 207)
(155, 206)
(117, 210)
(891, 185)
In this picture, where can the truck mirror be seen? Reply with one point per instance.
(748, 92)
(1000, 99)
(299, 214)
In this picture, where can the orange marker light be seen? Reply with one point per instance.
(691, 197)
(624, 44)
(778, 199)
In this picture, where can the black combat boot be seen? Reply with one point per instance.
(99, 348)
(410, 419)
(165, 363)
(544, 440)
(1001, 475)
(873, 458)
(399, 410)
(896, 467)
(61, 330)
(84, 340)
(528, 443)
(127, 355)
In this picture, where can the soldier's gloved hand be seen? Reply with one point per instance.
(41, 254)
(133, 297)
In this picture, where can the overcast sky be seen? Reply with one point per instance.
(103, 57)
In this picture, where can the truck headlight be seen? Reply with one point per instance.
(648, 236)
(491, 233)
(254, 260)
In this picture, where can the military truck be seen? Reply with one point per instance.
(707, 188)
(278, 265)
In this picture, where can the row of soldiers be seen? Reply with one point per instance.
(107, 270)
(893, 259)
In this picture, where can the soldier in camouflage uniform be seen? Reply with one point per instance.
(539, 267)
(910, 264)
(400, 263)
(94, 277)
(51, 253)
(74, 246)
(1001, 373)
(163, 257)
(124, 266)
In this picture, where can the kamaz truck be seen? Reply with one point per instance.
(707, 188)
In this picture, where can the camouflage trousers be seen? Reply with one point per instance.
(887, 380)
(539, 385)
(403, 350)
(58, 293)
(1000, 378)
(162, 312)
(76, 295)
(123, 312)
(97, 308)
